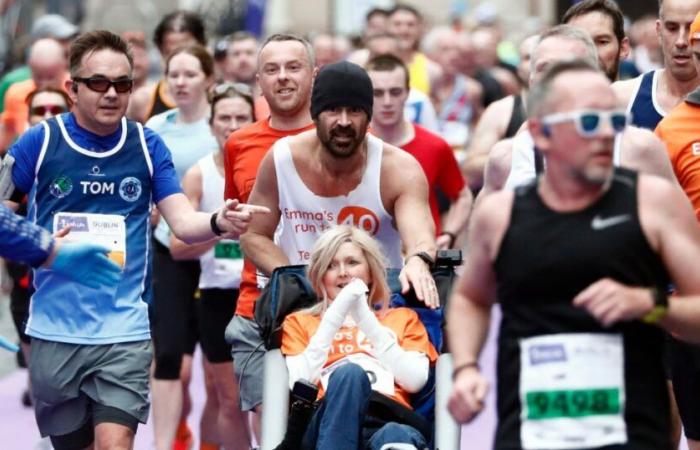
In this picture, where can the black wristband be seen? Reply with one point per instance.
(214, 226)
(461, 367)
(424, 256)
(453, 237)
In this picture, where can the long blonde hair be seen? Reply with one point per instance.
(322, 255)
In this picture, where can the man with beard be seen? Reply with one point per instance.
(339, 174)
(649, 96)
(579, 263)
(603, 20)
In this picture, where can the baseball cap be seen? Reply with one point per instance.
(53, 26)
(695, 28)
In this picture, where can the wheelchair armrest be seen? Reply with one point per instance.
(447, 431)
(275, 400)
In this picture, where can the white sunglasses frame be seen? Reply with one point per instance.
(575, 117)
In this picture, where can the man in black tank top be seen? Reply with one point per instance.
(579, 262)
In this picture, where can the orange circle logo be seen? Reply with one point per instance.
(359, 217)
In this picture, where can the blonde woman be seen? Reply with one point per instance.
(351, 343)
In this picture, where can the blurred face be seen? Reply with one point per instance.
(241, 61)
(446, 54)
(285, 76)
(382, 46)
(100, 112)
(348, 263)
(230, 114)
(175, 39)
(406, 27)
(390, 94)
(187, 82)
(554, 49)
(375, 25)
(467, 54)
(48, 73)
(673, 28)
(525, 53)
(342, 130)
(586, 159)
(610, 51)
(45, 105)
(324, 50)
(141, 64)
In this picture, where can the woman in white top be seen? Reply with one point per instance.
(185, 130)
(221, 262)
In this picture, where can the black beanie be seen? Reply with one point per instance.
(342, 84)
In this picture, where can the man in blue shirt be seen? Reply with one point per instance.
(98, 173)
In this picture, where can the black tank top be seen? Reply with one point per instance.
(158, 105)
(545, 260)
(517, 116)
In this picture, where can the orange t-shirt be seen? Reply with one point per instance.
(16, 113)
(679, 131)
(243, 152)
(299, 327)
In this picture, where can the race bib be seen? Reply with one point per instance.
(381, 379)
(228, 258)
(108, 230)
(572, 391)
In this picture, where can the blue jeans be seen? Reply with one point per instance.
(339, 423)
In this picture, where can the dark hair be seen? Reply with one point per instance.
(387, 63)
(606, 7)
(180, 21)
(406, 8)
(283, 37)
(30, 97)
(540, 93)
(199, 52)
(231, 90)
(376, 12)
(93, 41)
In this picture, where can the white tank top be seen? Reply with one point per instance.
(221, 265)
(305, 215)
(522, 165)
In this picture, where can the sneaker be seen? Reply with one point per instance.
(184, 440)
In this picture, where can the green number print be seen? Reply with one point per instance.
(227, 250)
(572, 403)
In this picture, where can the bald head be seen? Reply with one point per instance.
(48, 63)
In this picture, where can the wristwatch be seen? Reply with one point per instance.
(425, 256)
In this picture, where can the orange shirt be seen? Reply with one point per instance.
(15, 116)
(679, 131)
(299, 327)
(243, 152)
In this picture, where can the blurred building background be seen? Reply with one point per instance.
(346, 17)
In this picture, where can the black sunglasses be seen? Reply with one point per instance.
(102, 84)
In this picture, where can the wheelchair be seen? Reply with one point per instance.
(431, 402)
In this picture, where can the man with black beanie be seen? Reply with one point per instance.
(339, 174)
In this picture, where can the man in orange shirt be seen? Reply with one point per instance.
(285, 70)
(48, 64)
(679, 130)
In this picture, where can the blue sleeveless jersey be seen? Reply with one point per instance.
(115, 181)
(645, 112)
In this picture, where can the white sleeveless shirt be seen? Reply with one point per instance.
(522, 164)
(305, 215)
(221, 265)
